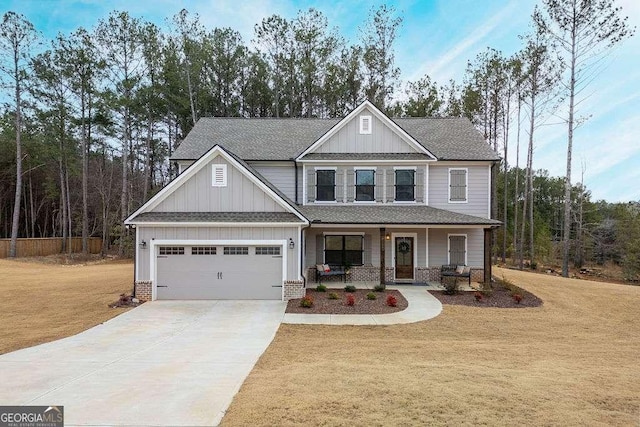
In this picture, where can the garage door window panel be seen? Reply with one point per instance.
(236, 250)
(203, 250)
(268, 250)
(171, 250)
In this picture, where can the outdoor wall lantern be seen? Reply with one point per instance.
(388, 236)
(143, 245)
(291, 243)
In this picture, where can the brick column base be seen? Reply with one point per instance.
(143, 290)
(294, 289)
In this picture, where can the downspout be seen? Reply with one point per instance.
(295, 166)
(301, 257)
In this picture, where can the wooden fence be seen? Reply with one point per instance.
(48, 246)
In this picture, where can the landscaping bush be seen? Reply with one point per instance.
(478, 296)
(371, 296)
(349, 288)
(451, 287)
(321, 288)
(392, 301)
(306, 302)
(379, 287)
(351, 300)
(333, 295)
(517, 298)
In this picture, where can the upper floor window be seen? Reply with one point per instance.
(458, 185)
(365, 185)
(325, 185)
(405, 185)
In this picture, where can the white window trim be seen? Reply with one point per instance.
(415, 252)
(335, 186)
(223, 167)
(364, 131)
(355, 182)
(415, 174)
(466, 251)
(466, 186)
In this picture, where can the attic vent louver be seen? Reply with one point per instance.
(365, 125)
(219, 175)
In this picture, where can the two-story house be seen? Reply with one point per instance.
(259, 203)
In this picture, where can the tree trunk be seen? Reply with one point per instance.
(85, 178)
(69, 217)
(567, 186)
(15, 221)
(516, 202)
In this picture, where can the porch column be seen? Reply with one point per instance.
(383, 233)
(487, 255)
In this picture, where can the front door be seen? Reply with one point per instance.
(404, 258)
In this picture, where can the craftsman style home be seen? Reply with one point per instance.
(261, 206)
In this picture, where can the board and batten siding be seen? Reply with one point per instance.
(438, 246)
(477, 192)
(281, 174)
(198, 195)
(381, 140)
(216, 233)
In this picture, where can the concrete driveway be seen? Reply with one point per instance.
(173, 363)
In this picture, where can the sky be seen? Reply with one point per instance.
(437, 38)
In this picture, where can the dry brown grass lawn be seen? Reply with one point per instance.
(573, 361)
(41, 303)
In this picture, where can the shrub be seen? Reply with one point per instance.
(306, 302)
(371, 296)
(392, 301)
(350, 288)
(478, 296)
(351, 300)
(333, 295)
(321, 288)
(451, 287)
(379, 287)
(517, 298)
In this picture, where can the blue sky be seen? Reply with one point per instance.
(437, 38)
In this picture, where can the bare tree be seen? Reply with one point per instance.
(584, 31)
(17, 38)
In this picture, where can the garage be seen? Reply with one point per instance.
(219, 271)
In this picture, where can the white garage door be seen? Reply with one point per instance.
(219, 272)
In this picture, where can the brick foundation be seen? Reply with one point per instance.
(294, 289)
(143, 290)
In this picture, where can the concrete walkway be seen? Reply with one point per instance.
(175, 363)
(422, 306)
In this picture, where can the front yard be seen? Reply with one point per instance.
(44, 302)
(573, 361)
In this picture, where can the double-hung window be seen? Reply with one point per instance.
(341, 250)
(325, 185)
(365, 185)
(405, 185)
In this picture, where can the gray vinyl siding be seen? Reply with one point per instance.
(384, 190)
(381, 140)
(198, 195)
(438, 245)
(281, 175)
(216, 233)
(478, 190)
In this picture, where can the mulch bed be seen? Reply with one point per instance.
(499, 298)
(323, 305)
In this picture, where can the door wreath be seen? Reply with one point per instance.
(403, 247)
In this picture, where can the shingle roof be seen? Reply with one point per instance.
(217, 217)
(285, 139)
(253, 139)
(375, 214)
(366, 156)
